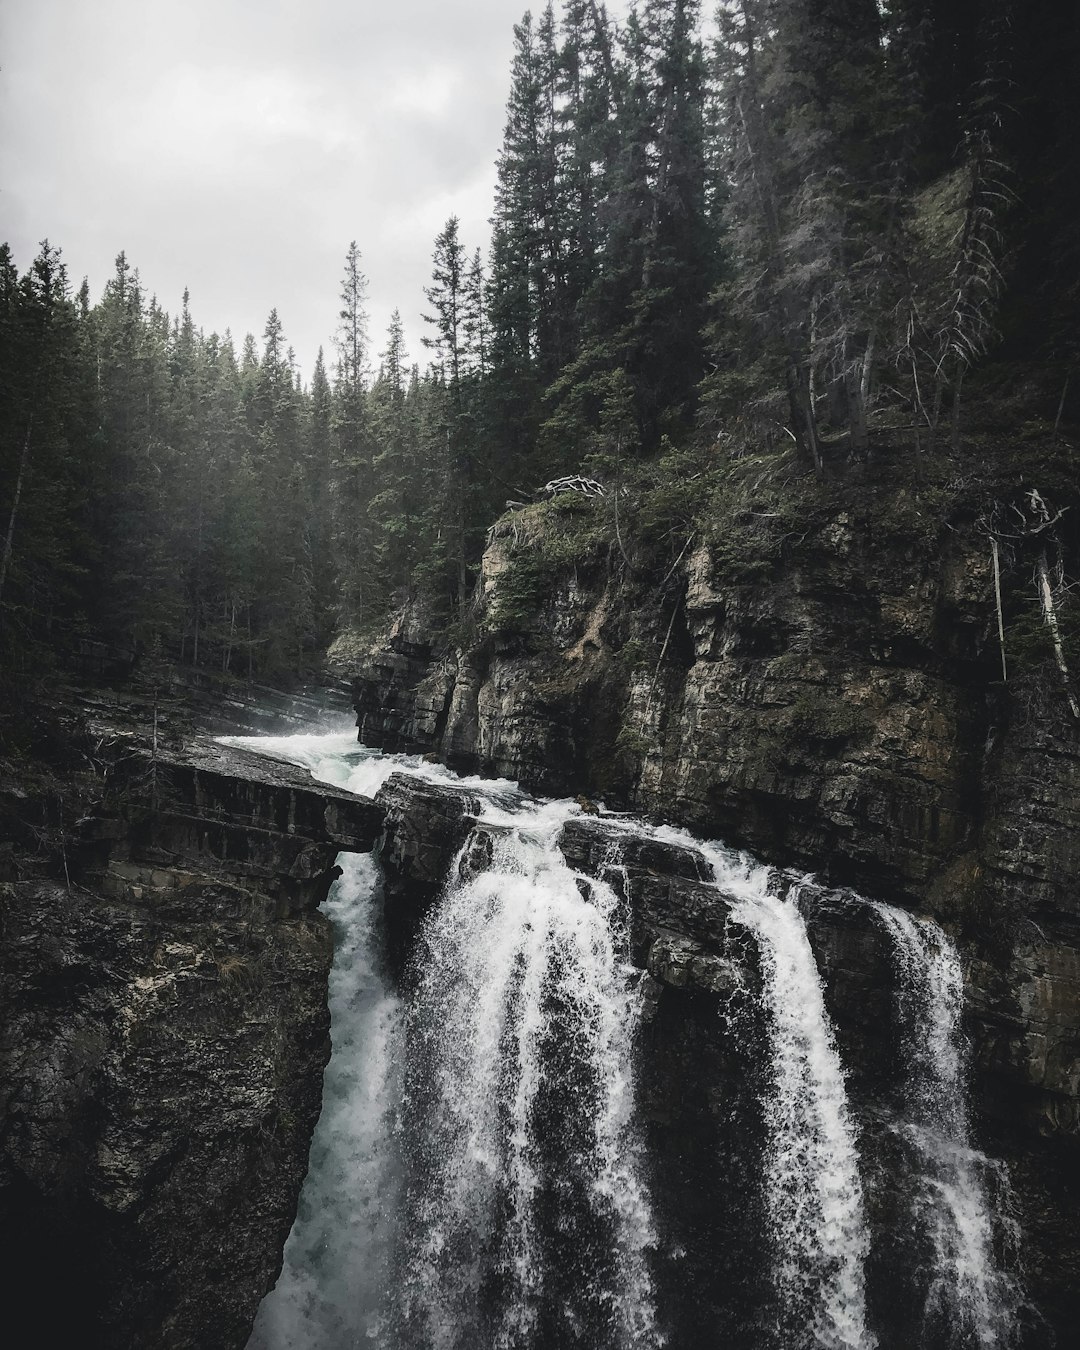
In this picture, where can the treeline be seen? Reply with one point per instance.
(806, 226)
(166, 494)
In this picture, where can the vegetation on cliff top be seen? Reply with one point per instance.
(734, 269)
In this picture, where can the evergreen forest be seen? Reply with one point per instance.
(804, 233)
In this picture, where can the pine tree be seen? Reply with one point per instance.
(397, 502)
(448, 297)
(352, 487)
(39, 483)
(766, 294)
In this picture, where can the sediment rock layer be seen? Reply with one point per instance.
(163, 1029)
(840, 710)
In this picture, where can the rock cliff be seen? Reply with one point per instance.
(838, 707)
(163, 1028)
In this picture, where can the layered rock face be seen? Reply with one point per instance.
(704, 1051)
(842, 713)
(163, 1028)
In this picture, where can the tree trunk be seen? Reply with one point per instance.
(857, 417)
(802, 413)
(956, 409)
(227, 645)
(1046, 596)
(24, 459)
(1061, 405)
(935, 414)
(866, 373)
(997, 598)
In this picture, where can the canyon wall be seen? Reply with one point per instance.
(841, 710)
(163, 1030)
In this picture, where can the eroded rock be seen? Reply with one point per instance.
(163, 1030)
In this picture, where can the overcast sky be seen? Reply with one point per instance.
(236, 147)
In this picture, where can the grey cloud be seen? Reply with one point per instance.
(236, 147)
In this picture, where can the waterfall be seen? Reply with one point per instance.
(529, 1219)
(970, 1301)
(478, 1176)
(813, 1188)
(336, 1263)
(501, 1201)
(332, 1288)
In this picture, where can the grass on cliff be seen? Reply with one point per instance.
(887, 522)
(544, 542)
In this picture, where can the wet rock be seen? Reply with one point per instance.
(425, 826)
(840, 711)
(163, 1030)
(681, 963)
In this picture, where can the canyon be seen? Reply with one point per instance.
(166, 961)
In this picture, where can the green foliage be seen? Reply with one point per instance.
(749, 510)
(553, 539)
(822, 715)
(1035, 680)
(635, 654)
(631, 743)
(169, 498)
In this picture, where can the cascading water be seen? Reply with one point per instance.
(970, 1301)
(331, 1293)
(332, 1286)
(478, 1176)
(503, 1199)
(529, 1220)
(813, 1189)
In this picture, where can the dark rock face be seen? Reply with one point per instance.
(163, 1029)
(425, 826)
(843, 714)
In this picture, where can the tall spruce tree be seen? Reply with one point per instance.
(449, 298)
(352, 451)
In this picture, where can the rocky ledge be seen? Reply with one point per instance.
(163, 1030)
(839, 709)
(819, 682)
(703, 1051)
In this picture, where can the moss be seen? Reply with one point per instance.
(553, 539)
(521, 590)
(825, 718)
(751, 511)
(636, 653)
(349, 648)
(630, 741)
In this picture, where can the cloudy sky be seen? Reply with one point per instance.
(236, 147)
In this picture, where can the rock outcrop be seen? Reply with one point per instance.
(840, 710)
(163, 1029)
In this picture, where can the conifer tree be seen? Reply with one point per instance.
(448, 296)
(397, 501)
(352, 450)
(39, 481)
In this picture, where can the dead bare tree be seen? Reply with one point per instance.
(1036, 520)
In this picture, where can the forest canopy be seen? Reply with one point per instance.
(786, 226)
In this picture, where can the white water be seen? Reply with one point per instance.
(970, 1299)
(813, 1188)
(517, 1213)
(337, 759)
(522, 1032)
(526, 990)
(331, 1289)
